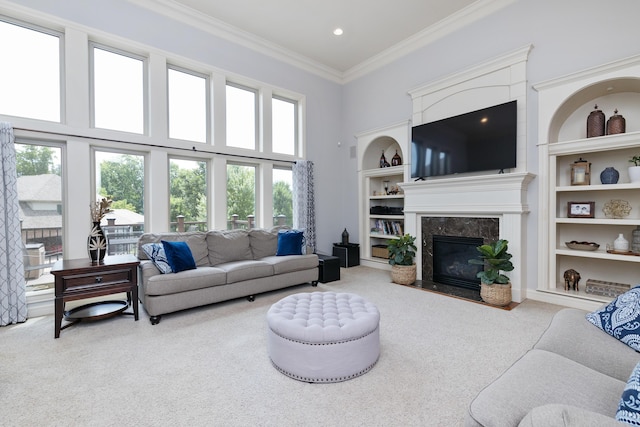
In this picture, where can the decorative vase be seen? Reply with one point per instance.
(96, 244)
(403, 274)
(345, 237)
(396, 160)
(621, 244)
(616, 124)
(635, 240)
(496, 294)
(383, 161)
(595, 123)
(634, 173)
(609, 176)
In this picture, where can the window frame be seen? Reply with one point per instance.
(296, 124)
(256, 116)
(208, 164)
(208, 103)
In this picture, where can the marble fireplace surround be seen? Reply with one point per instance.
(500, 196)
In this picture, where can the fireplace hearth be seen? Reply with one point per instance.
(450, 261)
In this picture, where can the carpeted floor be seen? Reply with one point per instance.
(209, 366)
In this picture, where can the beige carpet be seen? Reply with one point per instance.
(209, 366)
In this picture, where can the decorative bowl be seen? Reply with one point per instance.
(582, 246)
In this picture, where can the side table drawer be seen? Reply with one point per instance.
(83, 281)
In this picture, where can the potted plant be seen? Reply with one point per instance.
(634, 171)
(495, 287)
(401, 254)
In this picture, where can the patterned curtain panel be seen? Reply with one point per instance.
(13, 300)
(304, 208)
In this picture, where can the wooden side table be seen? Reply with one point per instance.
(80, 279)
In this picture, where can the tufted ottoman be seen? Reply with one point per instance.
(323, 337)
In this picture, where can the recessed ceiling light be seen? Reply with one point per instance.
(484, 120)
(338, 32)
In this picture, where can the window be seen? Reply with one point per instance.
(285, 130)
(120, 177)
(188, 194)
(118, 91)
(40, 198)
(188, 102)
(241, 196)
(241, 117)
(30, 74)
(282, 197)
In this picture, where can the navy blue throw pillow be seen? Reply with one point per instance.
(290, 242)
(179, 256)
(629, 408)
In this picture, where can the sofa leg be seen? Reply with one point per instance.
(155, 320)
(314, 283)
(251, 298)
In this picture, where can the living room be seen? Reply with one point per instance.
(565, 38)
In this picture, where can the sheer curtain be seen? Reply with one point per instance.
(304, 210)
(13, 300)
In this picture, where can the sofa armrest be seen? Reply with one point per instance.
(147, 270)
(556, 415)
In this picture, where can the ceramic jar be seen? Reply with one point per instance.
(609, 176)
(595, 123)
(635, 240)
(621, 244)
(616, 124)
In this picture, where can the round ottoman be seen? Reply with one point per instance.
(323, 337)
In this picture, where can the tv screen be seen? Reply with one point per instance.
(482, 140)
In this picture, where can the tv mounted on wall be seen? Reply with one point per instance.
(479, 141)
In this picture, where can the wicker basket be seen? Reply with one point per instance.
(499, 295)
(403, 274)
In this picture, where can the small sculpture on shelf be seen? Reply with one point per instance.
(571, 280)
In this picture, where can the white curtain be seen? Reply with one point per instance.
(304, 210)
(13, 300)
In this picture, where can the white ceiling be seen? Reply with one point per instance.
(302, 30)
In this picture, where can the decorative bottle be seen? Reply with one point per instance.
(345, 237)
(396, 160)
(609, 176)
(621, 244)
(383, 161)
(595, 123)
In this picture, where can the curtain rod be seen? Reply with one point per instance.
(193, 149)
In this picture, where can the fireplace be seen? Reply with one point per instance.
(450, 261)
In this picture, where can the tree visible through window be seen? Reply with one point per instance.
(282, 197)
(188, 193)
(241, 194)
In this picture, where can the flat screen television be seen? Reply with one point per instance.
(479, 141)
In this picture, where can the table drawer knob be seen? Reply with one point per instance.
(98, 279)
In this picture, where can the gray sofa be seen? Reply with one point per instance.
(230, 264)
(573, 376)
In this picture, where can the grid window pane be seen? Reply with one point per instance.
(187, 106)
(284, 126)
(282, 197)
(188, 194)
(118, 91)
(30, 74)
(241, 118)
(241, 196)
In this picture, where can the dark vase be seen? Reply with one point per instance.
(595, 123)
(345, 237)
(396, 160)
(96, 244)
(616, 124)
(609, 176)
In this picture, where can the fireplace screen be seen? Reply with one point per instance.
(450, 261)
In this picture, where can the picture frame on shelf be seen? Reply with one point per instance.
(581, 209)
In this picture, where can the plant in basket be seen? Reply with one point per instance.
(495, 287)
(402, 252)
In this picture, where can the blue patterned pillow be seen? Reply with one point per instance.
(629, 407)
(621, 318)
(155, 252)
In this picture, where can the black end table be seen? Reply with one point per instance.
(348, 253)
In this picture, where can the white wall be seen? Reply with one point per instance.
(567, 35)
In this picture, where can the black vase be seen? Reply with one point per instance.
(96, 244)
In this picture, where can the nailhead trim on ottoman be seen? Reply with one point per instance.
(323, 337)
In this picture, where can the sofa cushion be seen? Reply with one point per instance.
(189, 280)
(621, 318)
(195, 239)
(227, 246)
(287, 264)
(556, 415)
(264, 243)
(570, 335)
(629, 407)
(179, 256)
(237, 271)
(155, 252)
(290, 242)
(540, 378)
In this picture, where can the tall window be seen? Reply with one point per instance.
(285, 128)
(241, 117)
(188, 194)
(118, 90)
(30, 72)
(282, 197)
(241, 195)
(187, 105)
(120, 177)
(40, 198)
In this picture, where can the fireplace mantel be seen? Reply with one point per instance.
(501, 196)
